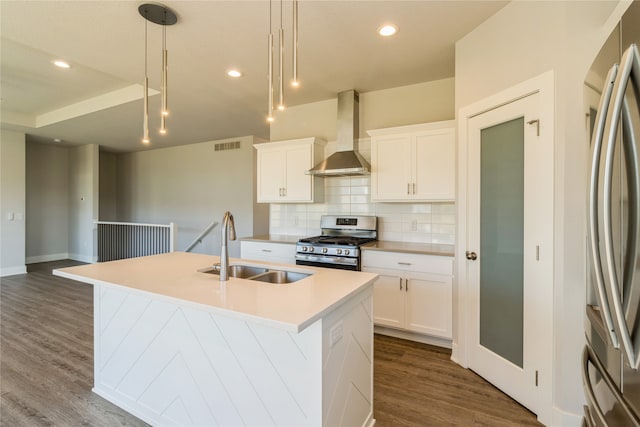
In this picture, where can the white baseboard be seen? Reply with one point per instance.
(83, 258)
(12, 271)
(412, 336)
(565, 419)
(47, 258)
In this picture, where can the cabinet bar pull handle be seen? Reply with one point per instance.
(266, 250)
(400, 283)
(414, 188)
(403, 263)
(406, 285)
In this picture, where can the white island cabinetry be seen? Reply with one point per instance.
(413, 163)
(268, 251)
(281, 168)
(413, 293)
(176, 346)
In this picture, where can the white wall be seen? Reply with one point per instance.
(12, 203)
(523, 40)
(192, 185)
(47, 192)
(419, 103)
(83, 202)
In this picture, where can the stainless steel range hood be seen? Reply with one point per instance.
(346, 161)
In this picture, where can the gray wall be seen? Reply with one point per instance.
(192, 185)
(12, 202)
(399, 106)
(83, 202)
(47, 202)
(108, 180)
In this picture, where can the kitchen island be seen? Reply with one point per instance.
(176, 346)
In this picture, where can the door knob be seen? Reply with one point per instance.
(472, 256)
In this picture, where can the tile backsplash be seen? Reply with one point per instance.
(405, 222)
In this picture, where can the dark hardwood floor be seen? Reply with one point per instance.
(46, 368)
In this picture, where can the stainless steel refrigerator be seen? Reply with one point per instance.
(611, 357)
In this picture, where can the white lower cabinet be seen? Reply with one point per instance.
(413, 292)
(268, 251)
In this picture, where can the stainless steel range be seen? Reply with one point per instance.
(339, 244)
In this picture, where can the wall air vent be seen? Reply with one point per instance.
(223, 146)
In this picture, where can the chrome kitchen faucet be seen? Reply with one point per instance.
(228, 232)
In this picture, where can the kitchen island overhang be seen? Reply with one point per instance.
(177, 346)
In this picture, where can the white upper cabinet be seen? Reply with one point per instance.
(413, 163)
(281, 168)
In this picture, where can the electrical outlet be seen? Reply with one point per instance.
(335, 334)
(10, 216)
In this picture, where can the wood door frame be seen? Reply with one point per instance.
(544, 84)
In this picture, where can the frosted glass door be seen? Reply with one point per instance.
(501, 239)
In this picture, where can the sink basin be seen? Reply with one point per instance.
(260, 274)
(280, 276)
(239, 271)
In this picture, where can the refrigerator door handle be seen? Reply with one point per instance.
(628, 63)
(594, 409)
(596, 145)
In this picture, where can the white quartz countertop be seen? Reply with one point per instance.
(408, 247)
(273, 238)
(291, 306)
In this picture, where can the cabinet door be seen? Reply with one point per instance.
(388, 300)
(298, 186)
(271, 166)
(391, 161)
(428, 304)
(435, 166)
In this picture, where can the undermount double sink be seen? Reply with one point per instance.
(260, 274)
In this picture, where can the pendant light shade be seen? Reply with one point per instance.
(161, 15)
(295, 82)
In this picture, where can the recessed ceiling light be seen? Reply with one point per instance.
(234, 73)
(387, 30)
(62, 64)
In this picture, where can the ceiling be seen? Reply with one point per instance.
(99, 99)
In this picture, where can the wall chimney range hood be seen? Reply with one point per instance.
(346, 161)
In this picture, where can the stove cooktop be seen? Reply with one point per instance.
(337, 240)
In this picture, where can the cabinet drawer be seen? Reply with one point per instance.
(267, 251)
(408, 262)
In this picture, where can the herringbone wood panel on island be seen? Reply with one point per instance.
(46, 368)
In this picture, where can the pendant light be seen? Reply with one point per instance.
(161, 15)
(164, 112)
(295, 82)
(145, 103)
(270, 73)
(281, 67)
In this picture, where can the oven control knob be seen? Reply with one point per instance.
(324, 250)
(339, 251)
(304, 249)
(346, 251)
(310, 248)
